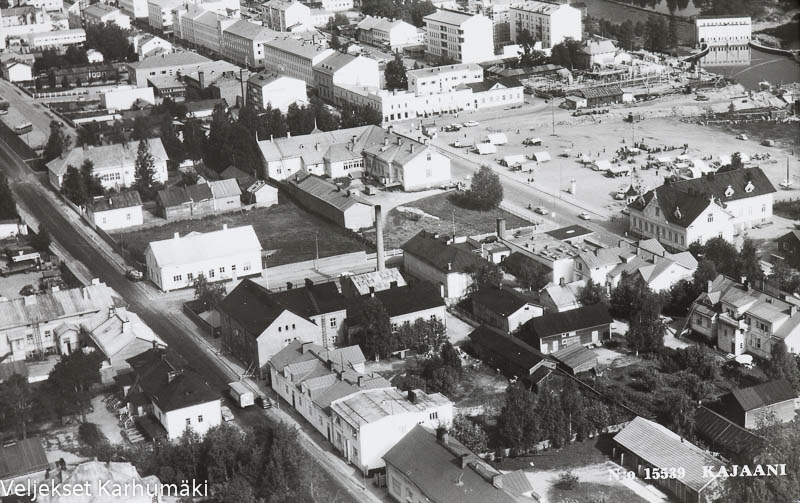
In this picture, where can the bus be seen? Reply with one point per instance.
(25, 127)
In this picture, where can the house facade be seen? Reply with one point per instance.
(243, 43)
(548, 23)
(274, 90)
(770, 401)
(295, 58)
(218, 255)
(458, 36)
(789, 248)
(429, 257)
(116, 211)
(553, 331)
(503, 308)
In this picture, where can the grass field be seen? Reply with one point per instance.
(401, 226)
(574, 455)
(285, 228)
(591, 492)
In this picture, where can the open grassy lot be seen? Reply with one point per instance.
(284, 228)
(593, 492)
(400, 226)
(574, 455)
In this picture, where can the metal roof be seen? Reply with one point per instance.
(55, 305)
(23, 457)
(198, 247)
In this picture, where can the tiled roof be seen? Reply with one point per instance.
(664, 449)
(156, 378)
(172, 196)
(197, 247)
(559, 323)
(439, 254)
(762, 395)
(327, 191)
(575, 356)
(410, 299)
(106, 156)
(334, 63)
(125, 199)
(22, 457)
(436, 470)
(683, 201)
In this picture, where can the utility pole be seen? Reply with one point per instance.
(454, 224)
(553, 114)
(316, 246)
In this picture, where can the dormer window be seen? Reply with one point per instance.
(678, 212)
(729, 191)
(749, 187)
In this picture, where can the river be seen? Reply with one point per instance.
(763, 67)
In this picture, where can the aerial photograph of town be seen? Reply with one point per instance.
(400, 251)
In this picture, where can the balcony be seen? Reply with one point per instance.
(728, 319)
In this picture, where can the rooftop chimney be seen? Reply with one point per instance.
(386, 141)
(379, 237)
(201, 78)
(224, 227)
(177, 235)
(412, 148)
(288, 285)
(464, 460)
(497, 481)
(443, 436)
(309, 282)
(305, 347)
(449, 266)
(171, 375)
(412, 397)
(709, 284)
(360, 380)
(501, 228)
(393, 284)
(372, 291)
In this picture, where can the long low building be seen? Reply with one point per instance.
(342, 206)
(219, 255)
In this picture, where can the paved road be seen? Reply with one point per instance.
(143, 300)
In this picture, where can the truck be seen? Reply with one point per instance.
(241, 394)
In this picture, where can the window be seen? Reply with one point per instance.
(758, 343)
(397, 488)
(47, 334)
(434, 415)
(710, 217)
(211, 273)
(233, 268)
(177, 277)
(200, 418)
(333, 322)
(222, 270)
(246, 266)
(280, 328)
(190, 277)
(188, 421)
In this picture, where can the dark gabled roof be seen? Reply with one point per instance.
(435, 469)
(575, 356)
(199, 192)
(125, 199)
(312, 300)
(724, 434)
(436, 252)
(168, 386)
(507, 347)
(172, 196)
(793, 235)
(410, 299)
(569, 232)
(568, 321)
(202, 105)
(683, 201)
(80, 69)
(23, 457)
(502, 301)
(762, 395)
(489, 82)
(252, 306)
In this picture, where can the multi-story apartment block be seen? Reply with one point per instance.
(344, 69)
(295, 58)
(548, 23)
(740, 318)
(457, 36)
(170, 64)
(161, 15)
(278, 91)
(243, 43)
(336, 5)
(387, 33)
(286, 15)
(22, 21)
(499, 13)
(728, 39)
(101, 13)
(48, 5)
(201, 28)
(443, 79)
(718, 204)
(135, 8)
(57, 39)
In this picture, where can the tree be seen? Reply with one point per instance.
(422, 335)
(169, 137)
(57, 142)
(516, 425)
(74, 186)
(672, 32)
(335, 44)
(359, 115)
(657, 34)
(373, 329)
(529, 273)
(16, 398)
(93, 184)
(486, 275)
(41, 241)
(72, 378)
(395, 74)
(566, 53)
(8, 207)
(782, 276)
(144, 171)
(748, 263)
(627, 34)
(88, 134)
(469, 433)
(287, 474)
(678, 413)
(485, 191)
(209, 294)
(110, 39)
(141, 128)
(647, 329)
(592, 293)
(193, 139)
(76, 55)
(529, 56)
(783, 365)
(628, 295)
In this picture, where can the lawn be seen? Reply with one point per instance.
(285, 228)
(592, 492)
(575, 455)
(401, 226)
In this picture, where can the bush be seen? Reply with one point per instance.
(648, 379)
(90, 434)
(567, 481)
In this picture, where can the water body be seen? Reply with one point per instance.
(617, 13)
(763, 67)
(683, 8)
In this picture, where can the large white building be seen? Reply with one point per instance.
(160, 14)
(243, 43)
(19, 22)
(286, 15)
(116, 211)
(200, 27)
(146, 44)
(443, 79)
(548, 23)
(728, 39)
(113, 164)
(135, 8)
(340, 69)
(170, 64)
(295, 58)
(267, 88)
(56, 39)
(394, 34)
(459, 36)
(719, 204)
(101, 13)
(219, 255)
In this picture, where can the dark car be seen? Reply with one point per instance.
(263, 402)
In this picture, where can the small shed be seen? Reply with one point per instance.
(574, 102)
(23, 457)
(541, 156)
(601, 165)
(497, 138)
(261, 194)
(512, 160)
(618, 170)
(485, 148)
(576, 359)
(535, 142)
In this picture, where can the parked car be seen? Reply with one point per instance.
(542, 210)
(471, 124)
(264, 402)
(227, 415)
(585, 216)
(741, 136)
(134, 275)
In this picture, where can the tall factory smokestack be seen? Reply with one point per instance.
(379, 237)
